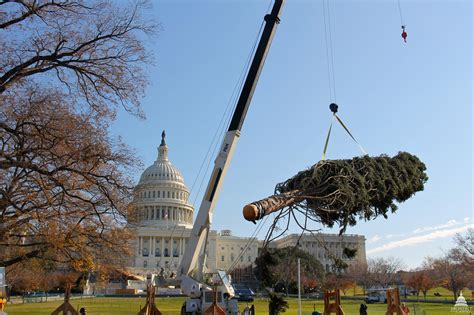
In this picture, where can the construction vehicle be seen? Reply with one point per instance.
(216, 298)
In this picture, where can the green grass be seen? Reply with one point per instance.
(446, 295)
(122, 306)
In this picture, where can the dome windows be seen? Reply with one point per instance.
(161, 196)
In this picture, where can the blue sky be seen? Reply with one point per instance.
(414, 97)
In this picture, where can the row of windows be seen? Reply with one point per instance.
(180, 195)
(232, 258)
(159, 252)
(167, 176)
(166, 252)
(165, 213)
(241, 248)
(329, 245)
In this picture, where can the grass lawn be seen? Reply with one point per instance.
(446, 295)
(122, 306)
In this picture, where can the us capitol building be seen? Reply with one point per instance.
(164, 218)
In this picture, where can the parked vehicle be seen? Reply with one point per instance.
(244, 294)
(379, 296)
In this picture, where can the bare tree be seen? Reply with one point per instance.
(92, 49)
(383, 271)
(359, 273)
(64, 182)
(465, 247)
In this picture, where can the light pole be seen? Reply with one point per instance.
(299, 287)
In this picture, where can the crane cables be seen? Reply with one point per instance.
(332, 76)
(400, 11)
(221, 128)
(329, 50)
(224, 121)
(251, 239)
(404, 33)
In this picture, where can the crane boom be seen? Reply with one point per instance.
(199, 233)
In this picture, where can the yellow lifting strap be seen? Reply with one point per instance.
(333, 107)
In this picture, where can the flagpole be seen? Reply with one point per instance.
(299, 287)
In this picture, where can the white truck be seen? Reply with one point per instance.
(217, 298)
(376, 296)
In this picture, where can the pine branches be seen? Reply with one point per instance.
(344, 191)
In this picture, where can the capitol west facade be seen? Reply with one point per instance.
(163, 219)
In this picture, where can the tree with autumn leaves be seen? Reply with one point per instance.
(65, 183)
(452, 271)
(420, 281)
(455, 270)
(278, 268)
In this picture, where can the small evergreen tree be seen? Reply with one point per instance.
(276, 304)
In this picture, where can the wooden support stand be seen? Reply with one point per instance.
(332, 307)
(2, 303)
(65, 308)
(214, 309)
(150, 306)
(393, 303)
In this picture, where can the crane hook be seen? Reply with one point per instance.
(404, 33)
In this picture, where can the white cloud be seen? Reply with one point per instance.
(389, 236)
(374, 239)
(410, 241)
(450, 223)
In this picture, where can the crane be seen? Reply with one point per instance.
(191, 268)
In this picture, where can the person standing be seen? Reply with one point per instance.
(363, 309)
(252, 309)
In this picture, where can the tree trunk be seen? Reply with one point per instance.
(258, 209)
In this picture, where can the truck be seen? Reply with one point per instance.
(216, 297)
(376, 296)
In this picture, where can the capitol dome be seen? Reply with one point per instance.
(461, 301)
(161, 195)
(162, 170)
